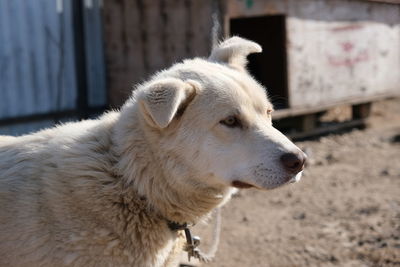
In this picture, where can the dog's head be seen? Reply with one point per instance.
(214, 120)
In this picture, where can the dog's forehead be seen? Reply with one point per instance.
(245, 90)
(223, 84)
(240, 90)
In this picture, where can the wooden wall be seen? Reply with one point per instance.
(347, 59)
(145, 36)
(336, 50)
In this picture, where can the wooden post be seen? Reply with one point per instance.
(361, 111)
(308, 122)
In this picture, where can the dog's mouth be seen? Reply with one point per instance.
(241, 185)
(288, 180)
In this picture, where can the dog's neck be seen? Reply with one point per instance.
(145, 173)
(178, 203)
(182, 204)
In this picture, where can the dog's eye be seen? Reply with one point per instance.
(269, 112)
(231, 122)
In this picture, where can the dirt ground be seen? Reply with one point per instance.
(344, 212)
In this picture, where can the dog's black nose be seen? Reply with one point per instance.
(294, 162)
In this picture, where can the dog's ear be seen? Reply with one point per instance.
(234, 51)
(164, 99)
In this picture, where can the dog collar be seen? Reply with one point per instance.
(192, 242)
(174, 226)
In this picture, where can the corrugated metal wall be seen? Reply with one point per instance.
(37, 60)
(95, 61)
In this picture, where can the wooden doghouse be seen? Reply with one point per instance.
(317, 54)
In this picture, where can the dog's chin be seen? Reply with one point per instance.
(245, 185)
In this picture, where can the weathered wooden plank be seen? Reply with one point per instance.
(337, 50)
(353, 51)
(124, 51)
(240, 9)
(145, 36)
(202, 24)
(325, 64)
(384, 1)
(328, 129)
(296, 111)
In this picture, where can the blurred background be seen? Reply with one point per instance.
(331, 68)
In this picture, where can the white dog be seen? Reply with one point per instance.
(104, 192)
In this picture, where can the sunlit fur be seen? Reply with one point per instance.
(100, 192)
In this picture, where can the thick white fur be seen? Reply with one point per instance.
(99, 192)
(234, 51)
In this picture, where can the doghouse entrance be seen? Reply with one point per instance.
(268, 67)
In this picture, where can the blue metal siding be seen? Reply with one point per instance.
(22, 128)
(27, 127)
(36, 57)
(95, 54)
(37, 62)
